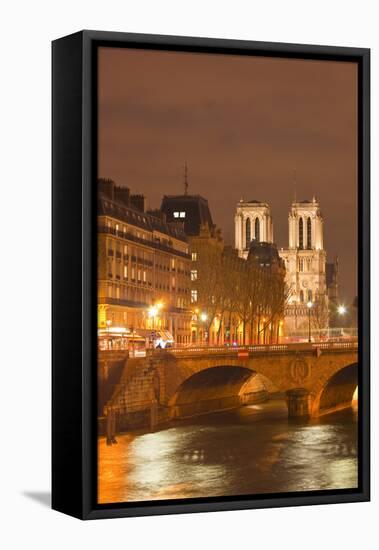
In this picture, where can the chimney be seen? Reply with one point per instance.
(138, 202)
(122, 194)
(106, 186)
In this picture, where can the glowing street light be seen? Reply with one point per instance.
(341, 310)
(152, 311)
(203, 318)
(309, 306)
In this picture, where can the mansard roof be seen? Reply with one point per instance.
(144, 220)
(196, 208)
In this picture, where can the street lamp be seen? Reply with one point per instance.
(309, 306)
(152, 311)
(203, 318)
(341, 310)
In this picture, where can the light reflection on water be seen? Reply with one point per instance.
(250, 450)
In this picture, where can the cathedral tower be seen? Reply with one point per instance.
(305, 261)
(252, 222)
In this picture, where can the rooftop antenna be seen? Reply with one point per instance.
(185, 178)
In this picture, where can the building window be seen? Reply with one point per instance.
(309, 233)
(125, 271)
(125, 249)
(248, 233)
(179, 214)
(301, 233)
(301, 296)
(139, 274)
(309, 295)
(194, 275)
(301, 264)
(193, 296)
(257, 230)
(144, 276)
(133, 273)
(194, 256)
(109, 291)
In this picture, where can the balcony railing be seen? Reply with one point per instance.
(154, 244)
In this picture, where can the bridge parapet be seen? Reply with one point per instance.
(312, 347)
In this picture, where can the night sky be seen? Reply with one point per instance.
(244, 125)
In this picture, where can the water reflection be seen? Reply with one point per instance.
(250, 450)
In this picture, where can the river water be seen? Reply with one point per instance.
(250, 450)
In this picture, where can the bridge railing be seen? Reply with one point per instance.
(268, 348)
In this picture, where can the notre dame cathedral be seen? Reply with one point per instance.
(304, 258)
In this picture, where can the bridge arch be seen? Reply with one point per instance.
(218, 388)
(338, 391)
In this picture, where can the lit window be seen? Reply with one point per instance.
(176, 214)
(117, 226)
(125, 249)
(194, 256)
(125, 271)
(139, 274)
(110, 291)
(133, 273)
(194, 275)
(193, 296)
(144, 276)
(182, 214)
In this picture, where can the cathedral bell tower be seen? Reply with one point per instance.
(305, 261)
(305, 226)
(252, 222)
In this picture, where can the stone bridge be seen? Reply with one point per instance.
(315, 379)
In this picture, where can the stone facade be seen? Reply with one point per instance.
(304, 259)
(142, 261)
(305, 262)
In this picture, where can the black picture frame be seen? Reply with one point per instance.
(74, 294)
